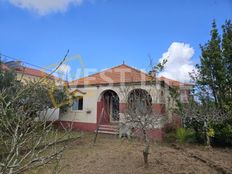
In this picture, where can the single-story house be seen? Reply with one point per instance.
(103, 97)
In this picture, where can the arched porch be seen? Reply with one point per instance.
(108, 107)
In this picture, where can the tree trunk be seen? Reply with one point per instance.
(146, 148)
(145, 154)
(208, 140)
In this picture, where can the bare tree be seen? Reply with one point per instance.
(140, 116)
(27, 142)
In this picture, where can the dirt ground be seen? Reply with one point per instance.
(112, 155)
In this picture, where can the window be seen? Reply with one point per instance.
(183, 96)
(77, 104)
(161, 93)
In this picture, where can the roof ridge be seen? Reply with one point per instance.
(109, 69)
(172, 80)
(95, 73)
(169, 79)
(137, 70)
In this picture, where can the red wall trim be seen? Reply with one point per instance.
(160, 108)
(155, 133)
(122, 107)
(175, 123)
(91, 127)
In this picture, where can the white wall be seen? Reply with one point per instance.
(50, 114)
(89, 104)
(93, 95)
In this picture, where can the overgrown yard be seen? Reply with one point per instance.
(111, 155)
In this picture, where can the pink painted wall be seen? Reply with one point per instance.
(91, 127)
(122, 107)
(160, 108)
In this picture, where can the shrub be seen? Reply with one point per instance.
(184, 135)
(170, 137)
(223, 133)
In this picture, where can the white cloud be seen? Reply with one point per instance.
(179, 63)
(44, 7)
(64, 69)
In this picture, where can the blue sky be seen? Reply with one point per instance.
(106, 32)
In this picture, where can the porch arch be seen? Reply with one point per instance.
(108, 107)
(139, 100)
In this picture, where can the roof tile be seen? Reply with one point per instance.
(119, 74)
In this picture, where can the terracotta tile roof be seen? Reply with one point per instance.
(4, 67)
(36, 73)
(174, 83)
(31, 71)
(118, 74)
(122, 74)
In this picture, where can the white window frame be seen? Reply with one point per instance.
(77, 99)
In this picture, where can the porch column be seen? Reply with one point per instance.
(160, 108)
(122, 107)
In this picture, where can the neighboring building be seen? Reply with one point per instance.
(109, 91)
(27, 74)
(4, 67)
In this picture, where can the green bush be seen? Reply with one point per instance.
(170, 137)
(185, 135)
(223, 133)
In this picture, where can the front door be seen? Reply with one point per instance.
(111, 106)
(114, 109)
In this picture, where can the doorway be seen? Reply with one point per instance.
(110, 105)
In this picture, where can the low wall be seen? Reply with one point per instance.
(156, 134)
(175, 123)
(90, 127)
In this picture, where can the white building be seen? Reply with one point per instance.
(106, 93)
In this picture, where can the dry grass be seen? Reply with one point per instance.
(120, 156)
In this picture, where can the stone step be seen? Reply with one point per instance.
(108, 128)
(107, 132)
